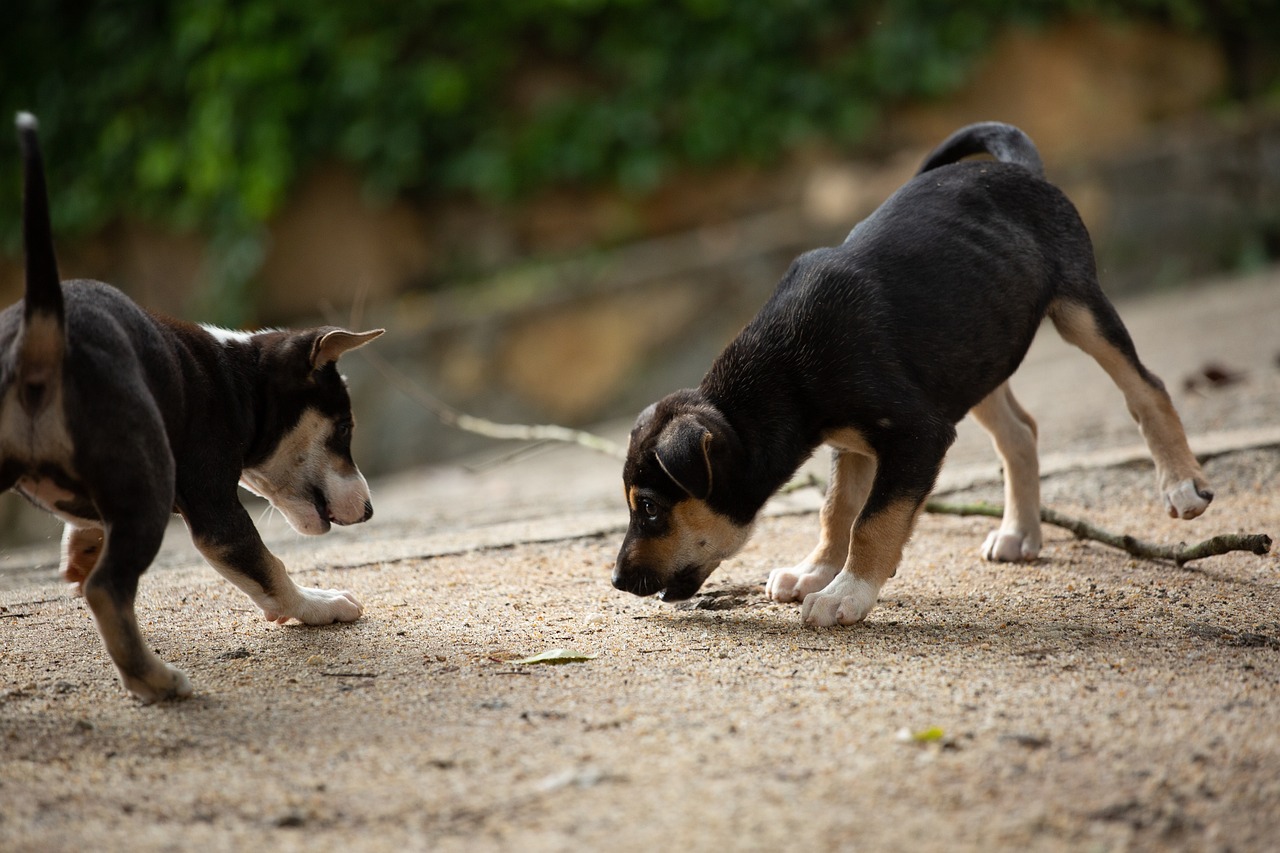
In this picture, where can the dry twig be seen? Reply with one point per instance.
(1180, 554)
(470, 423)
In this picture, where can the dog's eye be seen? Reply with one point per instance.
(343, 430)
(648, 509)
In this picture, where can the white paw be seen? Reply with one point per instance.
(317, 607)
(1010, 546)
(846, 600)
(1187, 499)
(795, 583)
(165, 682)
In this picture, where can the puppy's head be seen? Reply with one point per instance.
(303, 465)
(680, 457)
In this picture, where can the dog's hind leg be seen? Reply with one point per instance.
(1013, 432)
(851, 475)
(1095, 327)
(130, 544)
(81, 548)
(905, 473)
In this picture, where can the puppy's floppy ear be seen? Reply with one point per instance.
(684, 452)
(332, 344)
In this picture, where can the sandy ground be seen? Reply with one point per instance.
(1086, 701)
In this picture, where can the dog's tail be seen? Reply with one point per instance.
(1003, 141)
(42, 341)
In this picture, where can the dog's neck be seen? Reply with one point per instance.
(227, 377)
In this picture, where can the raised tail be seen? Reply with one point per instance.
(42, 341)
(1003, 141)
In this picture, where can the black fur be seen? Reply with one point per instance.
(42, 292)
(161, 417)
(889, 333)
(927, 307)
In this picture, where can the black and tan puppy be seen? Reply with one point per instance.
(113, 418)
(878, 347)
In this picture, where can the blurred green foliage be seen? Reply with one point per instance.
(202, 114)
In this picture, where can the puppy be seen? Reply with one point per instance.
(112, 418)
(878, 347)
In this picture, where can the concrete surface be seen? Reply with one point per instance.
(1087, 701)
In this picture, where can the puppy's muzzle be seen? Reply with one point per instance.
(368, 514)
(635, 581)
(638, 581)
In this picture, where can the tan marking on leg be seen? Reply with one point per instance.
(81, 548)
(878, 542)
(851, 477)
(1013, 432)
(850, 440)
(874, 555)
(1177, 470)
(144, 674)
(287, 600)
(278, 577)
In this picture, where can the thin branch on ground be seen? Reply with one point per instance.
(1180, 554)
(450, 416)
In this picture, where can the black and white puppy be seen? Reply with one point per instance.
(878, 347)
(113, 418)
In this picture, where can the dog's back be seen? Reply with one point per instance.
(902, 285)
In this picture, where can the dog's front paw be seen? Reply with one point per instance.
(1010, 546)
(318, 607)
(795, 583)
(161, 683)
(846, 600)
(1187, 499)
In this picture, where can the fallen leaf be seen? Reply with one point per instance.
(929, 735)
(555, 656)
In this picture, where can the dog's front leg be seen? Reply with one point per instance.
(851, 476)
(130, 544)
(904, 475)
(232, 545)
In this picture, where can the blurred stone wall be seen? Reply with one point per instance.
(596, 338)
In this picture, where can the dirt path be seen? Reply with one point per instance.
(1088, 701)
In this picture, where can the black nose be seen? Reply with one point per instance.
(368, 510)
(636, 582)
